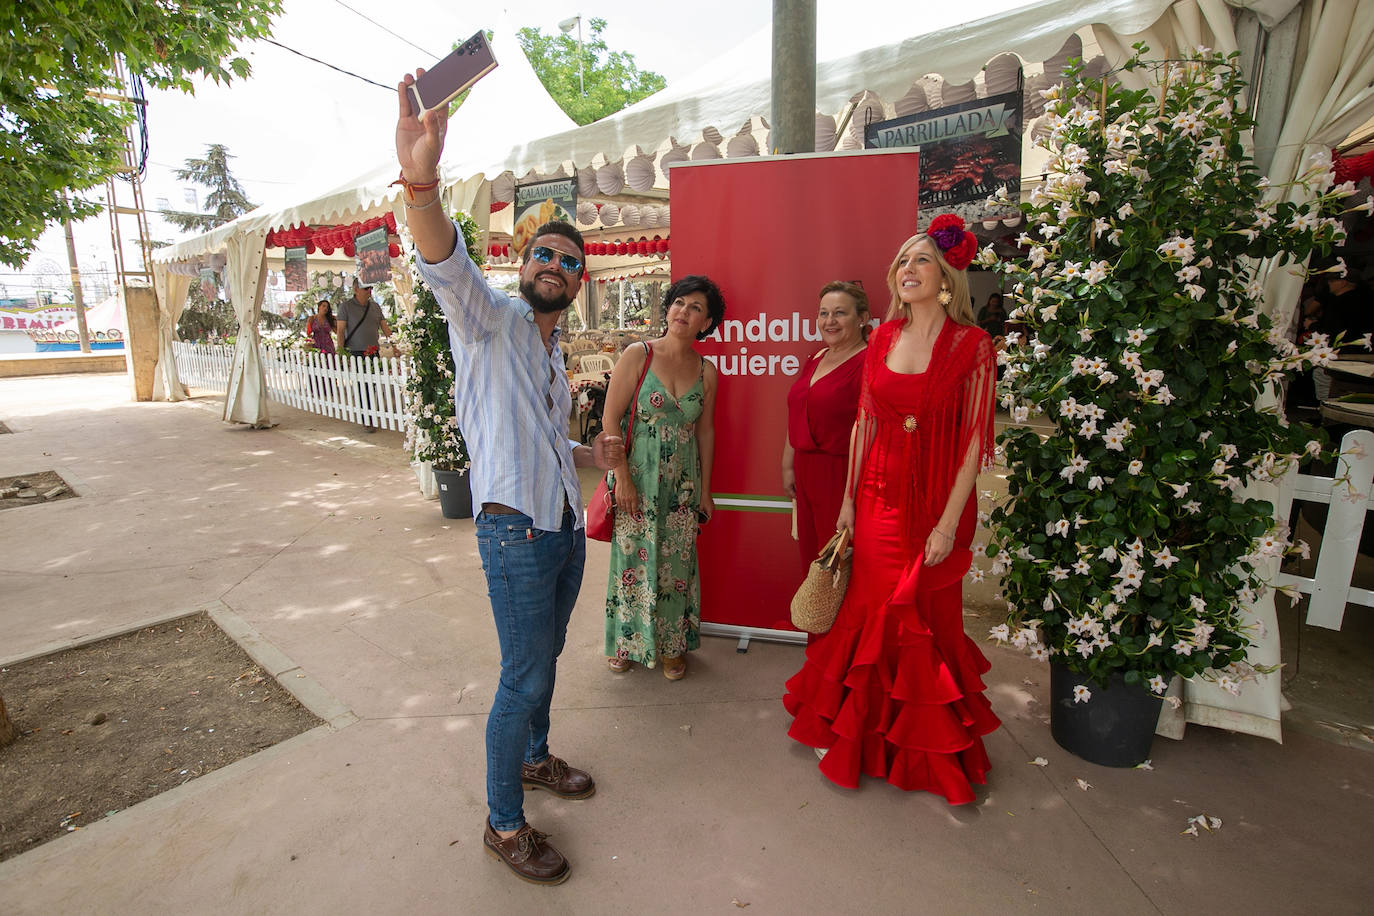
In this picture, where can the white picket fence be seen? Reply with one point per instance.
(367, 390)
(1348, 497)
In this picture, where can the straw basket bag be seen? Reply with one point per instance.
(816, 603)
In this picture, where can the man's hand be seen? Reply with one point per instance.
(608, 452)
(419, 142)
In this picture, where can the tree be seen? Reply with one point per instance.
(226, 199)
(58, 137)
(613, 79)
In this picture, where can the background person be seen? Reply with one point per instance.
(663, 492)
(512, 401)
(359, 326)
(322, 326)
(869, 691)
(820, 414)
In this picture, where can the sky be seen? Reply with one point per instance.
(296, 126)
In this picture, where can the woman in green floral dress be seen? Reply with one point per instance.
(663, 492)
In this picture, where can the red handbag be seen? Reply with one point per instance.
(600, 525)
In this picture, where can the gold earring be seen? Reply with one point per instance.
(945, 297)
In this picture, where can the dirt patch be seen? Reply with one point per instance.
(104, 726)
(32, 489)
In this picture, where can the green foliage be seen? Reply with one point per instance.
(56, 141)
(226, 199)
(1127, 543)
(432, 432)
(613, 80)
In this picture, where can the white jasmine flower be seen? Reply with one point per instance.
(1135, 467)
(1125, 210)
(1136, 336)
(1158, 685)
(1081, 694)
(1001, 632)
(1165, 558)
(1094, 482)
(1192, 507)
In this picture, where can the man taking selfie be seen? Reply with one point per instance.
(512, 402)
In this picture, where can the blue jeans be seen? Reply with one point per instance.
(533, 577)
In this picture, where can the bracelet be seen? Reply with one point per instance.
(948, 537)
(411, 206)
(411, 187)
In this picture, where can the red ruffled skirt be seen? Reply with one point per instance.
(894, 690)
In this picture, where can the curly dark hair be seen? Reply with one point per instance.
(699, 283)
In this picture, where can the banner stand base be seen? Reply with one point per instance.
(744, 634)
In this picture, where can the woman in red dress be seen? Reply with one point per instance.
(893, 690)
(820, 415)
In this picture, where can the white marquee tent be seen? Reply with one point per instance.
(1316, 56)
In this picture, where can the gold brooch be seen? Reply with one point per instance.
(909, 424)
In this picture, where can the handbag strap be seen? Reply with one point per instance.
(634, 401)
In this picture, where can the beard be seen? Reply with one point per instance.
(541, 302)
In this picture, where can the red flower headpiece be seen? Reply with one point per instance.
(956, 243)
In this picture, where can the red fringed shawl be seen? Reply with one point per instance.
(915, 445)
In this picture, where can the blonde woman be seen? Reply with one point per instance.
(893, 690)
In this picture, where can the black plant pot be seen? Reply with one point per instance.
(1114, 728)
(455, 493)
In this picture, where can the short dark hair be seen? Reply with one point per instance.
(557, 227)
(699, 283)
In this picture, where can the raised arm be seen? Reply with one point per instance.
(419, 143)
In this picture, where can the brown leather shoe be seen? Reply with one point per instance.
(529, 855)
(557, 777)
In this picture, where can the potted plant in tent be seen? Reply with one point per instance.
(1127, 544)
(432, 433)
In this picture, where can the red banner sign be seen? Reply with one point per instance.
(772, 232)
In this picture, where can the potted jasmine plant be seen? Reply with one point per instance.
(1127, 545)
(432, 433)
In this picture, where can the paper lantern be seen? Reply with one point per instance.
(639, 173)
(662, 246)
(309, 247)
(586, 213)
(586, 182)
(610, 214)
(629, 215)
(914, 102)
(326, 250)
(705, 150)
(390, 219)
(648, 217)
(503, 187)
(621, 248)
(610, 178)
(393, 250)
(825, 133)
(742, 146)
(349, 249)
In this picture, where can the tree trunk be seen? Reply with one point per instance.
(7, 730)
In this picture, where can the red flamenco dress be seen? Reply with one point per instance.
(894, 689)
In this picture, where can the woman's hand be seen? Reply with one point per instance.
(939, 545)
(789, 483)
(707, 507)
(626, 496)
(846, 519)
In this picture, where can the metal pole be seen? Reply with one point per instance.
(580, 83)
(794, 76)
(77, 299)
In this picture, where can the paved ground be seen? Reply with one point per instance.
(316, 536)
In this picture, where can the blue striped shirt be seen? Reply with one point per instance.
(510, 395)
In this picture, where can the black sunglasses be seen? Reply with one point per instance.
(566, 262)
